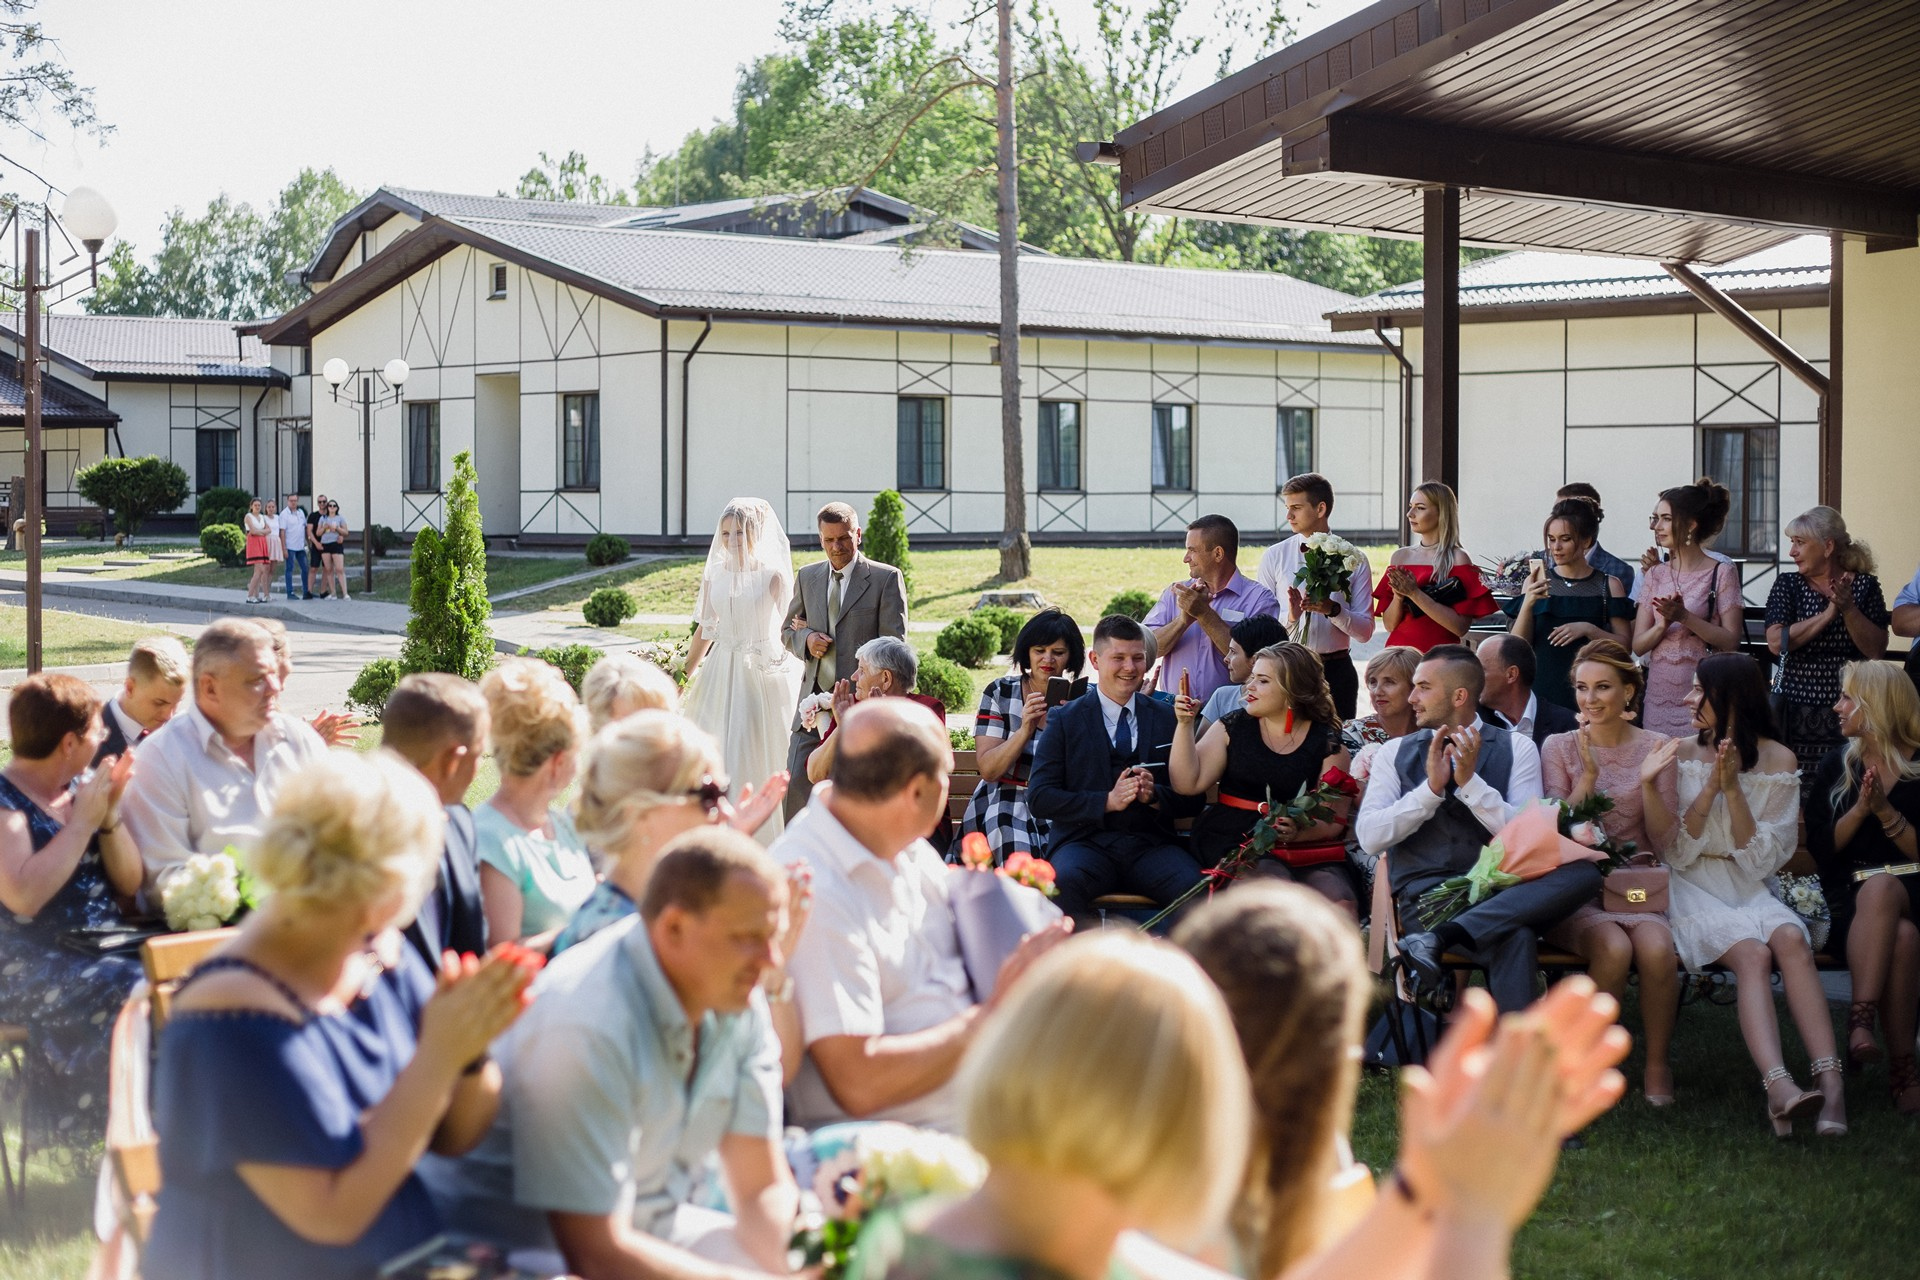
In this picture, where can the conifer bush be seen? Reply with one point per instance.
(886, 537)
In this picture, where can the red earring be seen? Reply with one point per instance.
(1288, 727)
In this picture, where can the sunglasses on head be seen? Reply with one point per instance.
(710, 793)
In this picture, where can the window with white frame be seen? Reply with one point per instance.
(423, 446)
(1173, 447)
(921, 461)
(1060, 444)
(580, 441)
(1293, 444)
(1747, 461)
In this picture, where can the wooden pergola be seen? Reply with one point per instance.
(1686, 131)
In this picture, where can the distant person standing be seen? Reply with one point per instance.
(332, 528)
(1333, 625)
(293, 533)
(259, 528)
(316, 569)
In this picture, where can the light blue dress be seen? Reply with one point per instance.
(554, 876)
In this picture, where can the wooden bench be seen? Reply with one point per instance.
(170, 958)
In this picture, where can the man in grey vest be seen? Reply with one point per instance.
(1434, 799)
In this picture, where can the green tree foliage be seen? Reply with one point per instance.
(224, 544)
(35, 83)
(946, 680)
(133, 488)
(426, 642)
(567, 179)
(370, 689)
(1006, 621)
(222, 504)
(969, 640)
(572, 660)
(1133, 602)
(608, 607)
(886, 536)
(231, 262)
(469, 613)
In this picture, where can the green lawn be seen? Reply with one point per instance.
(70, 639)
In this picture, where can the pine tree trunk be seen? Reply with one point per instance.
(1015, 561)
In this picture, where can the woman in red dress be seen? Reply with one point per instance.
(1432, 590)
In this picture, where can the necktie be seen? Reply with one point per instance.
(829, 666)
(833, 602)
(1123, 733)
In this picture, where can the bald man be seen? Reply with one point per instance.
(878, 977)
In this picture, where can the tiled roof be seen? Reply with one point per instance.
(151, 348)
(452, 205)
(1534, 277)
(838, 282)
(61, 404)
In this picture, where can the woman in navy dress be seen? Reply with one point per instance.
(64, 862)
(310, 1063)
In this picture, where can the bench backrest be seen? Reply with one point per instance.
(171, 957)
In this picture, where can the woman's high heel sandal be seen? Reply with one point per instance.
(1828, 1128)
(1797, 1107)
(1903, 1077)
(1860, 1017)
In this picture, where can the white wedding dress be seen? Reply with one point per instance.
(745, 688)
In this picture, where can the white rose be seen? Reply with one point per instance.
(1315, 541)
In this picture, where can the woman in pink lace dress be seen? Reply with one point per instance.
(1689, 604)
(1604, 758)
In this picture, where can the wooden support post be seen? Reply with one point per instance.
(1440, 337)
(1830, 402)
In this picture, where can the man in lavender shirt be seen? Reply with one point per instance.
(1192, 623)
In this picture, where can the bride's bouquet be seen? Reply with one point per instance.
(204, 892)
(1327, 566)
(887, 1165)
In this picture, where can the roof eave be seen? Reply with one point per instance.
(1401, 314)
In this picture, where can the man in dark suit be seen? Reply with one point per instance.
(1508, 699)
(438, 723)
(157, 671)
(1112, 823)
(839, 604)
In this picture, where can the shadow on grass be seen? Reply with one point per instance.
(49, 1239)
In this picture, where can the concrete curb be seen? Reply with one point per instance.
(91, 672)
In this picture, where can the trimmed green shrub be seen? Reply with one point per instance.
(1007, 620)
(605, 548)
(223, 504)
(609, 607)
(1136, 604)
(886, 537)
(226, 544)
(962, 739)
(573, 660)
(384, 540)
(947, 681)
(370, 689)
(133, 488)
(969, 641)
(448, 630)
(426, 640)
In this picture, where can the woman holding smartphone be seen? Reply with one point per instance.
(1013, 711)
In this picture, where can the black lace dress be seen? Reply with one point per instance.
(65, 999)
(1255, 772)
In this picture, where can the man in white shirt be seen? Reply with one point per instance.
(1434, 799)
(882, 991)
(207, 778)
(155, 686)
(1332, 625)
(293, 532)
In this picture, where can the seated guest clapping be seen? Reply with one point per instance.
(310, 1064)
(1507, 668)
(1861, 816)
(210, 774)
(886, 668)
(534, 870)
(620, 684)
(882, 991)
(1250, 636)
(647, 1052)
(155, 687)
(438, 724)
(1433, 800)
(1112, 822)
(1287, 738)
(1013, 711)
(65, 860)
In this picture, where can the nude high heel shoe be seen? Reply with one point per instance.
(1797, 1107)
(1829, 1128)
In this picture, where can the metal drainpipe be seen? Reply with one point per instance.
(686, 364)
(664, 437)
(1406, 422)
(256, 435)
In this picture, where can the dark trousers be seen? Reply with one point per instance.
(799, 747)
(1502, 929)
(1145, 863)
(1343, 682)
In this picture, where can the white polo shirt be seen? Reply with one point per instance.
(880, 956)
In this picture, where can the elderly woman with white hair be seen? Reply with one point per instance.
(309, 1065)
(887, 668)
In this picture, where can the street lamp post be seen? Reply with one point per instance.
(85, 214)
(389, 379)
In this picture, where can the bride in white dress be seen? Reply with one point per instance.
(742, 683)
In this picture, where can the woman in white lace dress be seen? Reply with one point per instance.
(1739, 799)
(741, 682)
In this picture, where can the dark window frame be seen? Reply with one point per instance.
(226, 462)
(1753, 521)
(580, 460)
(916, 468)
(496, 281)
(1052, 456)
(418, 460)
(1178, 476)
(1284, 425)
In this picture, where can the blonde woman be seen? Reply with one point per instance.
(1861, 819)
(1107, 1093)
(1432, 590)
(620, 684)
(309, 1065)
(1828, 614)
(259, 529)
(1474, 1159)
(534, 869)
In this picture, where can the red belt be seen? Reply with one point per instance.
(1251, 806)
(1294, 855)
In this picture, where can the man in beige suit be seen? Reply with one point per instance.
(839, 604)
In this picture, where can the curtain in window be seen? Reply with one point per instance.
(581, 442)
(1059, 444)
(1747, 461)
(1172, 446)
(423, 446)
(1295, 444)
(215, 460)
(921, 443)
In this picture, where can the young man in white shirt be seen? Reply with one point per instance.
(155, 686)
(293, 533)
(883, 994)
(1434, 799)
(1333, 625)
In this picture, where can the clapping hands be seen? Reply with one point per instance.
(1658, 761)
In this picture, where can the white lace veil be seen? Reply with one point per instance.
(749, 557)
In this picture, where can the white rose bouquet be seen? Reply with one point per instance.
(886, 1164)
(1327, 566)
(204, 892)
(1804, 897)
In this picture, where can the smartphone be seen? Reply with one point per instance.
(1059, 691)
(1536, 568)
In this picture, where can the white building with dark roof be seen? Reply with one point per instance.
(629, 370)
(1608, 370)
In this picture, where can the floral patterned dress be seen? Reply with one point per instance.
(1808, 679)
(66, 999)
